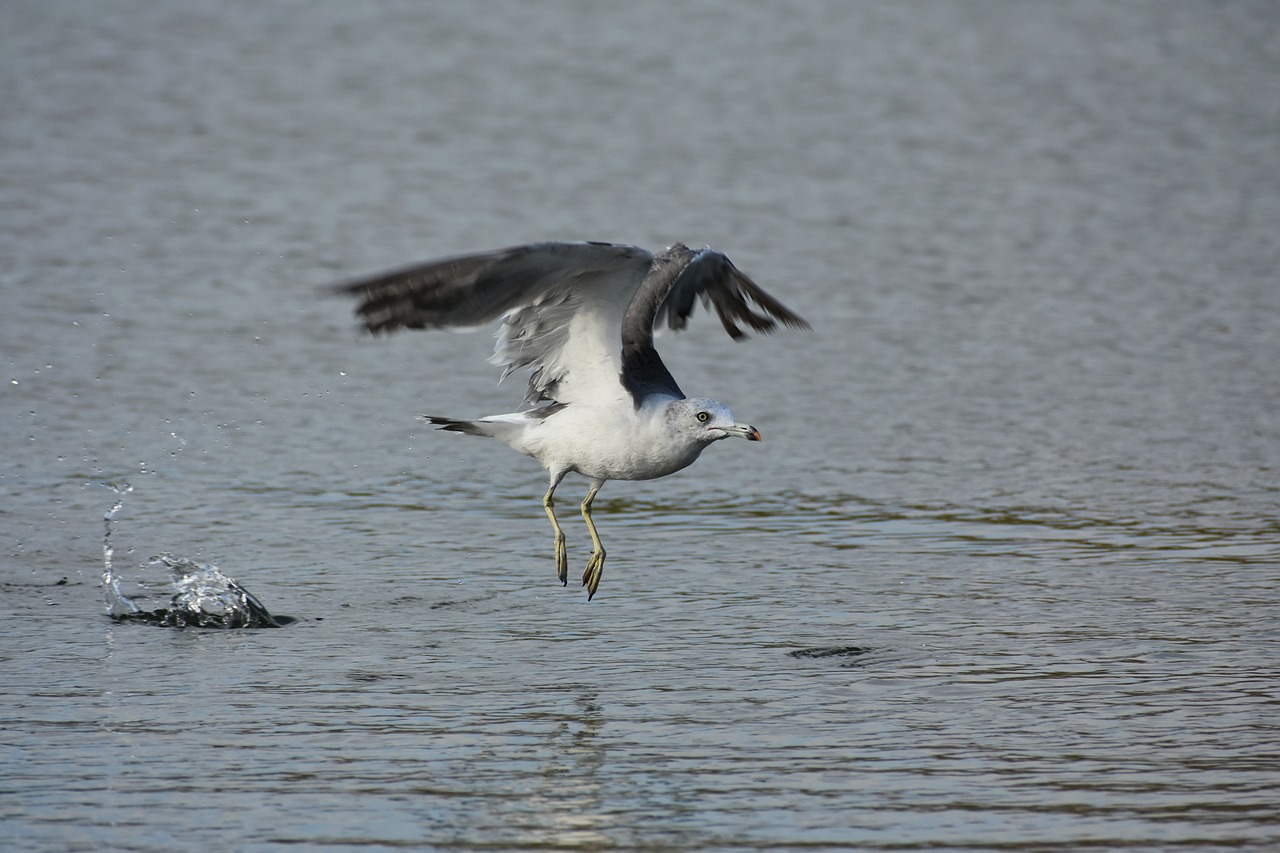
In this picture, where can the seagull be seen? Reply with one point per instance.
(582, 316)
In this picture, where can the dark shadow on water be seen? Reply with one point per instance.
(178, 617)
(844, 656)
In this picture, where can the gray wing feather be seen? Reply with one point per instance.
(539, 289)
(712, 278)
(680, 278)
(536, 289)
(462, 291)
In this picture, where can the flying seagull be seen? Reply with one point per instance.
(581, 316)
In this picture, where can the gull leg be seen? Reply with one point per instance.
(562, 555)
(595, 566)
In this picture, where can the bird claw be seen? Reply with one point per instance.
(591, 577)
(562, 561)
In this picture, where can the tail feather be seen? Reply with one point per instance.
(458, 425)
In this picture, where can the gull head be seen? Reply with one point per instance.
(704, 421)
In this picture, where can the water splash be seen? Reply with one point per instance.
(204, 598)
(200, 595)
(119, 605)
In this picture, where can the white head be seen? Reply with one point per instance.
(704, 421)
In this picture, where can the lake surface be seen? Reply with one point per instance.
(1004, 573)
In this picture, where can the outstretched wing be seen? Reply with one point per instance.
(680, 277)
(561, 304)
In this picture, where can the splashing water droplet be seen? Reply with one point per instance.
(118, 604)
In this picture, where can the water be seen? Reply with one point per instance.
(1002, 575)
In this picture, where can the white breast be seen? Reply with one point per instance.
(610, 443)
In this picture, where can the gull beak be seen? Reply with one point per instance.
(746, 431)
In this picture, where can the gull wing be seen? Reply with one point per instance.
(681, 277)
(561, 306)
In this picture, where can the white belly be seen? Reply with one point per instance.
(608, 444)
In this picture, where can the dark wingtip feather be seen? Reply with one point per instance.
(732, 302)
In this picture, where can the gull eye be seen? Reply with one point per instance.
(703, 417)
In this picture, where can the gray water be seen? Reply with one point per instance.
(1002, 575)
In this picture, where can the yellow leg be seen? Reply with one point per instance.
(562, 556)
(595, 566)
